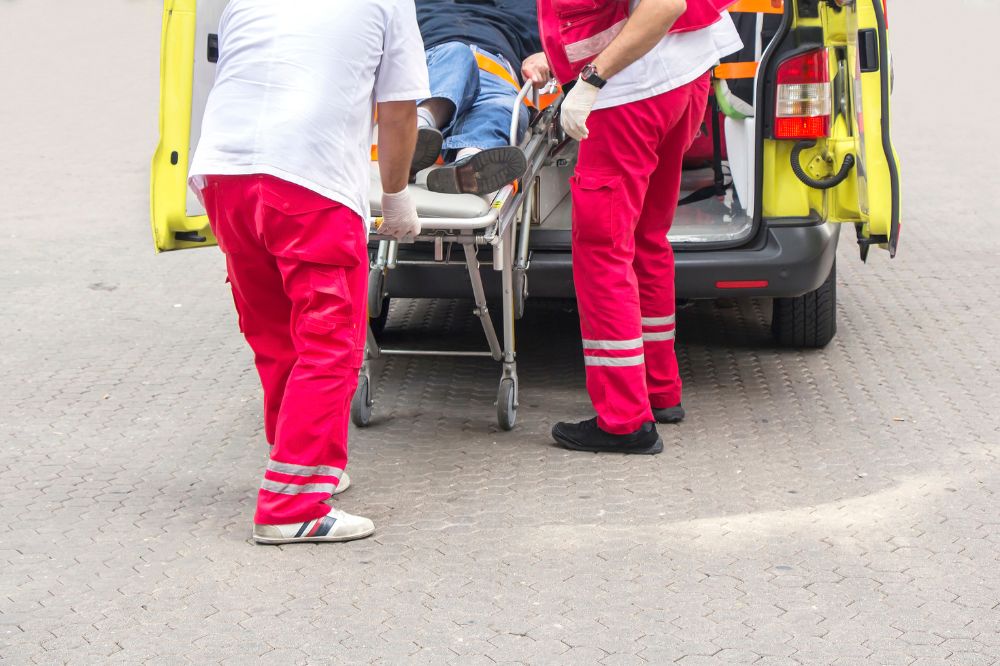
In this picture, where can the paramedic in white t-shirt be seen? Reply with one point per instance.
(636, 110)
(283, 168)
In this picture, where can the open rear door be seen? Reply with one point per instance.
(870, 63)
(827, 146)
(188, 52)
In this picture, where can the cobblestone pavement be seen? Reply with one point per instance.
(817, 508)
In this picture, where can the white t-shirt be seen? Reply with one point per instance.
(295, 89)
(677, 60)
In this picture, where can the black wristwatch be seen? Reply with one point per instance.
(589, 75)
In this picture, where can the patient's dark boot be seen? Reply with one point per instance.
(482, 173)
(429, 140)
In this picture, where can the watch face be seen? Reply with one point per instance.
(588, 71)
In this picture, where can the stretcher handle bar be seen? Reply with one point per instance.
(523, 240)
(515, 116)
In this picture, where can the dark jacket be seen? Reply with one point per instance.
(507, 27)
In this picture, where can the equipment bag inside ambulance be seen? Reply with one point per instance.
(796, 145)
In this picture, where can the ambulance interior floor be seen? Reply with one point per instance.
(715, 219)
(817, 507)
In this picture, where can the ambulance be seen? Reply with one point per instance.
(795, 154)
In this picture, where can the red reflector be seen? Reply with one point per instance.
(802, 128)
(741, 284)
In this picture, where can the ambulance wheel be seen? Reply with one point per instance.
(808, 321)
(507, 404)
(361, 404)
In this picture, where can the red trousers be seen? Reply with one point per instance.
(625, 194)
(297, 262)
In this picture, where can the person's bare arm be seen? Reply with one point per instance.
(397, 139)
(650, 21)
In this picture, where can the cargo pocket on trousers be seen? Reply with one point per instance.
(306, 226)
(328, 323)
(597, 216)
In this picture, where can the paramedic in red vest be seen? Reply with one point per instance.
(283, 169)
(642, 83)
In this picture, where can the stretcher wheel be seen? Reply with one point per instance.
(520, 293)
(378, 301)
(507, 404)
(378, 323)
(361, 404)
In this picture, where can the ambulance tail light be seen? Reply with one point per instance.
(805, 99)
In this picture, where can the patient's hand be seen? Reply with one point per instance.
(535, 68)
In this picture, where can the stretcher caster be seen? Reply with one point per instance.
(378, 300)
(378, 322)
(507, 404)
(361, 404)
(520, 293)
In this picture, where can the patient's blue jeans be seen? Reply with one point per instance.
(483, 101)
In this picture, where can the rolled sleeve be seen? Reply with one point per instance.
(402, 74)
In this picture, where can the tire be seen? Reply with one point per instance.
(507, 405)
(520, 294)
(361, 404)
(378, 323)
(808, 321)
(378, 301)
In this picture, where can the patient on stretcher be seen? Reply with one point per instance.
(475, 52)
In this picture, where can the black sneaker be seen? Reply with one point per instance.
(482, 173)
(587, 436)
(428, 149)
(669, 414)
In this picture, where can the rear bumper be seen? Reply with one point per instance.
(791, 260)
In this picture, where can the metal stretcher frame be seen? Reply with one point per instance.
(506, 230)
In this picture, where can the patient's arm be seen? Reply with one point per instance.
(397, 138)
(650, 21)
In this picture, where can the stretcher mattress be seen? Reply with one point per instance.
(432, 204)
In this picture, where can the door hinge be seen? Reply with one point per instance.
(865, 244)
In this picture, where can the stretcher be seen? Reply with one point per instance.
(492, 228)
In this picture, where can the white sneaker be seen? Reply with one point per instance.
(343, 484)
(336, 525)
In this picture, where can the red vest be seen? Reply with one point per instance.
(574, 32)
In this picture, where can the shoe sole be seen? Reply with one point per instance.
(268, 541)
(652, 450)
(485, 172)
(428, 150)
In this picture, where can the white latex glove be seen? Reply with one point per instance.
(399, 216)
(576, 109)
